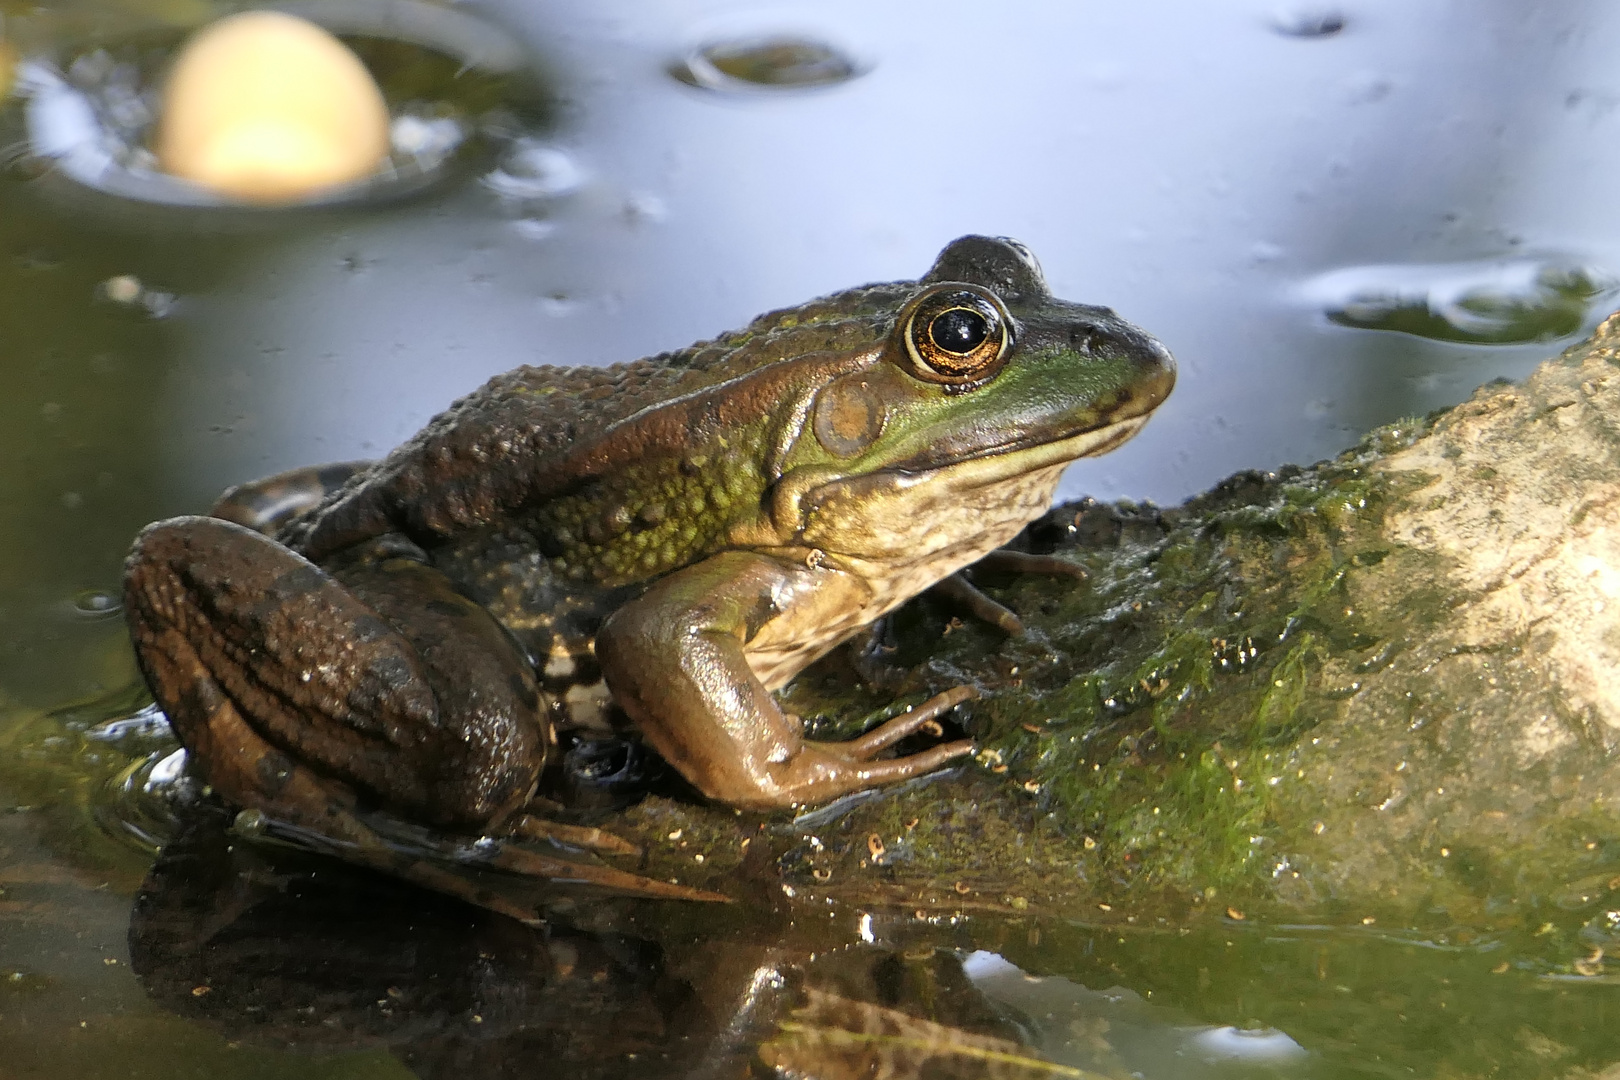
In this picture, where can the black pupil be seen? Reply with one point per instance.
(959, 330)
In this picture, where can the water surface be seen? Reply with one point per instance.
(1334, 215)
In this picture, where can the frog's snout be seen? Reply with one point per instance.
(1153, 379)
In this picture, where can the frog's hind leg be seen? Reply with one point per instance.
(297, 694)
(267, 504)
(439, 726)
(246, 770)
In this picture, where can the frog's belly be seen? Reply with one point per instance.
(849, 591)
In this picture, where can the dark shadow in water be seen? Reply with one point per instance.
(302, 953)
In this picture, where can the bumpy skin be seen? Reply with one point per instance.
(693, 528)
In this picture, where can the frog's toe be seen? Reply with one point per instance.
(815, 775)
(923, 717)
(963, 593)
(1008, 560)
(588, 837)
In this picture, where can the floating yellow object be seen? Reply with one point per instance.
(266, 107)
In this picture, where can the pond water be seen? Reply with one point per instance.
(1334, 215)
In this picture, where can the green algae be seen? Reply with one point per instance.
(1158, 723)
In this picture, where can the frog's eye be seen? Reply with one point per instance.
(958, 335)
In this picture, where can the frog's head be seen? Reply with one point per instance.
(984, 389)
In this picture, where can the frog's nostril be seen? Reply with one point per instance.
(1163, 354)
(1163, 362)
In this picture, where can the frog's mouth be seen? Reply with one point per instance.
(1032, 448)
(947, 515)
(1016, 457)
(993, 466)
(1092, 442)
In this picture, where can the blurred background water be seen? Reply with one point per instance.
(1334, 214)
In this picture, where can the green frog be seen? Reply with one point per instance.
(661, 543)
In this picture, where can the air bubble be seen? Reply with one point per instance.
(533, 170)
(250, 823)
(96, 603)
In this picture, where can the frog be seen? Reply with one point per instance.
(654, 548)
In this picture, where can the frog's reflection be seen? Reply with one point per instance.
(301, 952)
(307, 953)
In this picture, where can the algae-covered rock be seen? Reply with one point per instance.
(1371, 689)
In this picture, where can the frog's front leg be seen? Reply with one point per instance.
(676, 659)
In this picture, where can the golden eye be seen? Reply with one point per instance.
(957, 335)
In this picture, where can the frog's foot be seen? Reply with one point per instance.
(960, 591)
(581, 836)
(820, 772)
(265, 505)
(886, 734)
